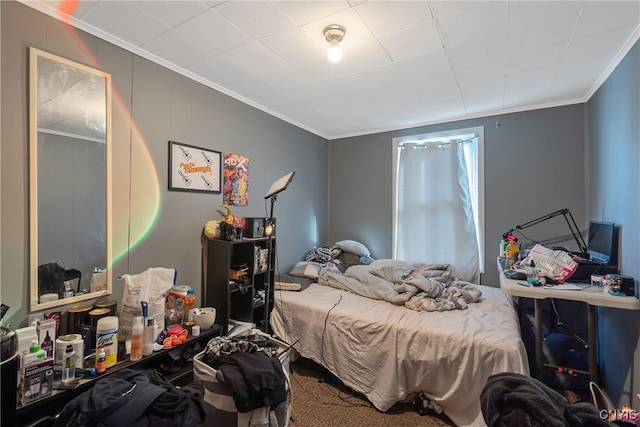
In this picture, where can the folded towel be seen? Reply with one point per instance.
(283, 286)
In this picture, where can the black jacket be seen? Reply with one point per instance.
(135, 398)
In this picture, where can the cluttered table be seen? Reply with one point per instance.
(591, 295)
(52, 404)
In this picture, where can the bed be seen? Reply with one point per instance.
(389, 352)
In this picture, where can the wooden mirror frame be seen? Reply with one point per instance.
(63, 91)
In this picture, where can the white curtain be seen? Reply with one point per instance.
(434, 212)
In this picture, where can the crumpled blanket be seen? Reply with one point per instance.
(420, 287)
(510, 399)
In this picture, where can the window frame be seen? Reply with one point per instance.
(461, 134)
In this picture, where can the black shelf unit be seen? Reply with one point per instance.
(231, 300)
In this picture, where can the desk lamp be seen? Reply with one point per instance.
(277, 187)
(582, 246)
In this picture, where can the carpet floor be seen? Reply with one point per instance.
(319, 400)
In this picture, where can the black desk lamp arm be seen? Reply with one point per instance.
(575, 231)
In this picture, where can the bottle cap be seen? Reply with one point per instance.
(138, 320)
(35, 347)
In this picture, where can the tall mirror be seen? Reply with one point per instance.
(70, 181)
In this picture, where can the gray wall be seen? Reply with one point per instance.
(151, 106)
(613, 123)
(534, 165)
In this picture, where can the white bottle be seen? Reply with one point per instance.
(35, 354)
(107, 338)
(149, 336)
(137, 336)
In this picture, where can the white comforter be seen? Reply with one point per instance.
(387, 352)
(420, 287)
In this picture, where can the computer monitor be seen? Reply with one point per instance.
(602, 245)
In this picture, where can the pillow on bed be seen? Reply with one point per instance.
(353, 247)
(308, 269)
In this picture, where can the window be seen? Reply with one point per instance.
(438, 211)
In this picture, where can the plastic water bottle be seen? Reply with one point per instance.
(69, 364)
(137, 333)
(512, 253)
(532, 276)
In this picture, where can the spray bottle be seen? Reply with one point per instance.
(149, 330)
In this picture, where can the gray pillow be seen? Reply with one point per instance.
(353, 247)
(308, 269)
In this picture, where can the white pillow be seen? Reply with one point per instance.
(353, 247)
(309, 269)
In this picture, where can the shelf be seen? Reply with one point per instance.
(54, 403)
(218, 257)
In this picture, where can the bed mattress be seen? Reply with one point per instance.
(388, 352)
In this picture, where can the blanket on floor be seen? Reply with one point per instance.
(511, 399)
(420, 287)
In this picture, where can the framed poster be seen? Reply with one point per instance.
(194, 168)
(236, 180)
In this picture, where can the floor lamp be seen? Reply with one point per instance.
(277, 187)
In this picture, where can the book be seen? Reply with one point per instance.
(261, 257)
(565, 287)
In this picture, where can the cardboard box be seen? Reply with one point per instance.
(235, 274)
(47, 336)
(36, 380)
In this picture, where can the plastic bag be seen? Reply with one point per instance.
(558, 265)
(151, 286)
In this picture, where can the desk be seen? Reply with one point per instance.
(593, 299)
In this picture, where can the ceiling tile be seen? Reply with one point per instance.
(440, 9)
(483, 20)
(599, 43)
(556, 29)
(83, 6)
(132, 25)
(305, 12)
(212, 30)
(489, 74)
(222, 71)
(536, 57)
(600, 16)
(385, 18)
(254, 57)
(177, 48)
(294, 44)
(441, 94)
(256, 18)
(411, 42)
(522, 13)
(574, 76)
(478, 51)
(529, 86)
(171, 13)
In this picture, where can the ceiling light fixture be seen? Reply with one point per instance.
(334, 34)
